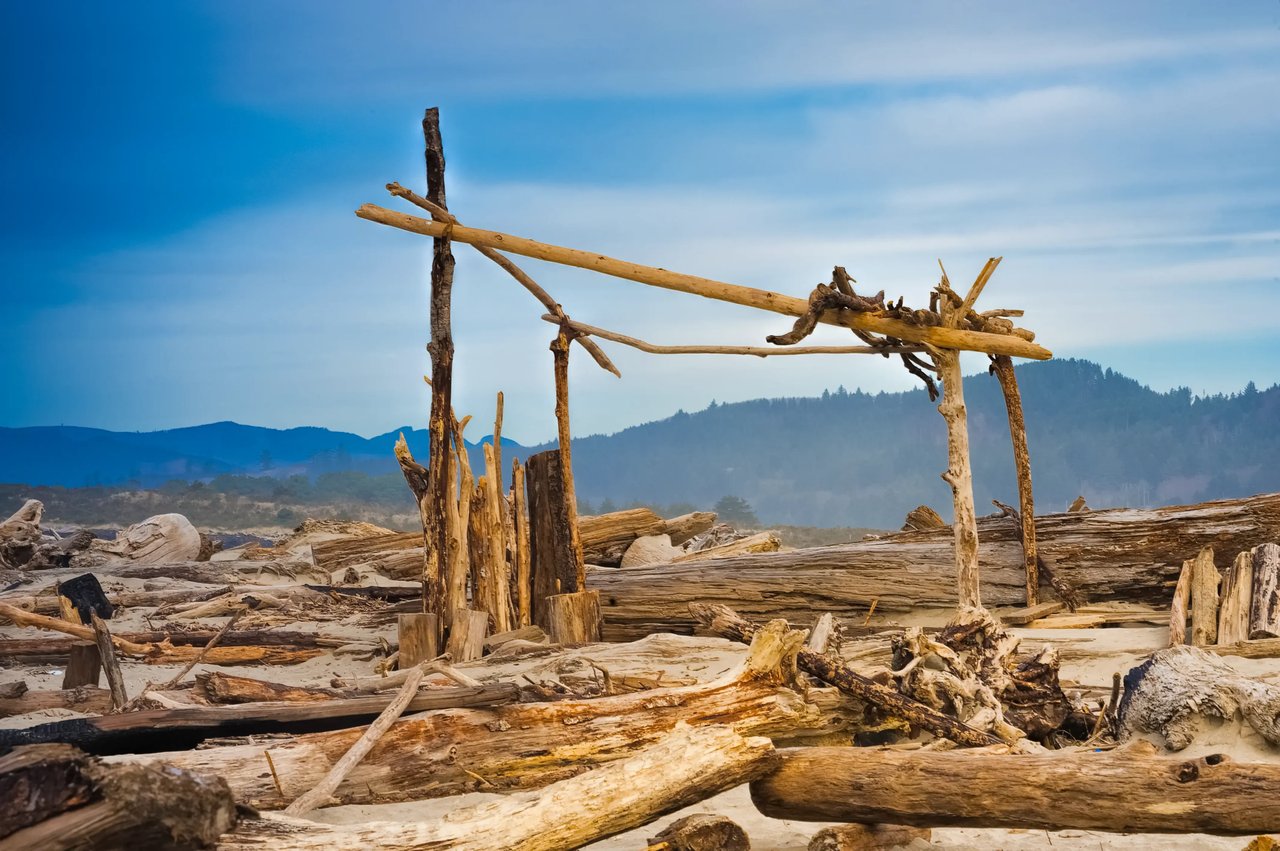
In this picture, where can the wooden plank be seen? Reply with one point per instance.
(1027, 614)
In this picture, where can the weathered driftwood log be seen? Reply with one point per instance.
(46, 602)
(684, 527)
(57, 647)
(217, 687)
(531, 744)
(1126, 790)
(1180, 604)
(574, 618)
(84, 665)
(466, 637)
(922, 517)
(418, 634)
(82, 699)
(1044, 574)
(1123, 554)
(725, 622)
(1264, 613)
(342, 552)
(1002, 367)
(761, 542)
(701, 832)
(157, 729)
(688, 766)
(164, 652)
(1173, 691)
(53, 797)
(1205, 580)
(1237, 594)
(552, 556)
(605, 537)
(157, 540)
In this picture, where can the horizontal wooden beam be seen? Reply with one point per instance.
(941, 337)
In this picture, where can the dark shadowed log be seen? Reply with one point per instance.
(1131, 555)
(1123, 791)
(53, 797)
(553, 563)
(1264, 613)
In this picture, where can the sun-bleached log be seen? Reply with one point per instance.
(1237, 594)
(81, 699)
(941, 337)
(1124, 791)
(1264, 613)
(605, 537)
(532, 744)
(688, 765)
(1131, 555)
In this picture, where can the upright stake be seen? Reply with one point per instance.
(438, 545)
(1002, 365)
(960, 476)
(560, 354)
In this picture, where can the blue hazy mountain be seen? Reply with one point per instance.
(845, 458)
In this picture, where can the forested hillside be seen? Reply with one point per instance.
(844, 459)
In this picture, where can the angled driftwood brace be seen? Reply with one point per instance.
(952, 338)
(686, 766)
(1127, 790)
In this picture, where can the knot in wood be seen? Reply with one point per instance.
(1187, 772)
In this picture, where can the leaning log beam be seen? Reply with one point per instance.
(942, 337)
(1123, 791)
(687, 766)
(530, 744)
(1124, 554)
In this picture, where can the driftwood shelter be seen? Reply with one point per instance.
(928, 341)
(511, 691)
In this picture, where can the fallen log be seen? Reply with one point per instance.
(53, 797)
(761, 542)
(682, 528)
(531, 744)
(47, 603)
(1123, 554)
(217, 687)
(1123, 791)
(725, 622)
(59, 647)
(701, 832)
(82, 699)
(154, 730)
(687, 766)
(605, 537)
(156, 540)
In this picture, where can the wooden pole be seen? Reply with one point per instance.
(439, 545)
(1002, 365)
(940, 336)
(520, 546)
(959, 475)
(560, 357)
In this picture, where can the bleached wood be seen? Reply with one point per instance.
(1237, 594)
(520, 551)
(1204, 599)
(466, 639)
(417, 635)
(959, 476)
(761, 542)
(687, 766)
(952, 338)
(1181, 602)
(1264, 611)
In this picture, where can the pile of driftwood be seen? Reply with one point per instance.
(961, 728)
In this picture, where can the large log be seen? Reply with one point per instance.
(1122, 554)
(531, 744)
(1124, 791)
(157, 540)
(158, 729)
(53, 798)
(81, 699)
(1264, 613)
(605, 537)
(553, 560)
(688, 766)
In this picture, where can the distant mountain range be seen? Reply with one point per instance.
(840, 459)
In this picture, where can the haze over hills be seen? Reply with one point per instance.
(842, 459)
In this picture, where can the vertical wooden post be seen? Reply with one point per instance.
(1002, 365)
(84, 666)
(520, 547)
(552, 566)
(418, 642)
(466, 639)
(560, 357)
(110, 664)
(959, 475)
(441, 351)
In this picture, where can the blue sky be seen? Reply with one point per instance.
(179, 247)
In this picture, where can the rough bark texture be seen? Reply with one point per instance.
(532, 744)
(1237, 594)
(554, 565)
(1129, 555)
(605, 537)
(688, 766)
(86, 698)
(867, 837)
(701, 832)
(959, 475)
(1180, 604)
(560, 361)
(1119, 791)
(53, 797)
(1002, 366)
(466, 638)
(1204, 599)
(1172, 691)
(418, 638)
(574, 618)
(1264, 612)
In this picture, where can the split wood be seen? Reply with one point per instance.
(727, 623)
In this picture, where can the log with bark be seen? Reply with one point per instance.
(1132, 555)
(688, 765)
(1128, 790)
(148, 731)
(218, 687)
(53, 797)
(529, 745)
